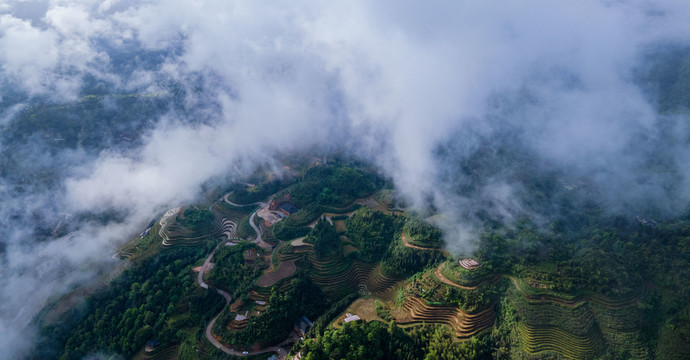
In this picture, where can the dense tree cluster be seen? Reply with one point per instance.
(372, 232)
(241, 194)
(401, 261)
(422, 233)
(136, 307)
(196, 219)
(325, 320)
(325, 239)
(296, 224)
(376, 235)
(333, 185)
(374, 340)
(231, 272)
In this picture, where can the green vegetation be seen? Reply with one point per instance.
(244, 229)
(241, 194)
(196, 219)
(231, 272)
(324, 189)
(333, 185)
(287, 230)
(325, 240)
(382, 311)
(152, 300)
(421, 233)
(377, 341)
(401, 261)
(325, 320)
(303, 298)
(372, 232)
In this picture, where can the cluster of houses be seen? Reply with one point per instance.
(278, 209)
(283, 205)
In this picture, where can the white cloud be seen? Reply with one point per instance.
(27, 54)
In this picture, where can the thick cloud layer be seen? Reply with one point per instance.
(419, 90)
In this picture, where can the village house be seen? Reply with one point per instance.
(152, 345)
(349, 317)
(288, 209)
(302, 326)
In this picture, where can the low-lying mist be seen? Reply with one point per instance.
(111, 112)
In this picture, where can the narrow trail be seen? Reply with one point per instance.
(442, 278)
(407, 244)
(225, 198)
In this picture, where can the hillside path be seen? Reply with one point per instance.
(442, 278)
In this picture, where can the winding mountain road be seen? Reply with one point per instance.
(258, 240)
(281, 353)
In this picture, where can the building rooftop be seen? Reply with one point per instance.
(303, 325)
(349, 317)
(290, 208)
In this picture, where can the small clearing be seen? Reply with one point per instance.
(362, 307)
(300, 242)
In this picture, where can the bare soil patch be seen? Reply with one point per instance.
(340, 225)
(285, 269)
(300, 242)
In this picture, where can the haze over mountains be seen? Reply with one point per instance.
(111, 112)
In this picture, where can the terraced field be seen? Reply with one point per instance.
(406, 242)
(163, 353)
(264, 293)
(175, 235)
(288, 252)
(465, 325)
(379, 284)
(439, 274)
(540, 296)
(235, 215)
(463, 278)
(338, 277)
(237, 325)
(536, 340)
(226, 220)
(577, 327)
